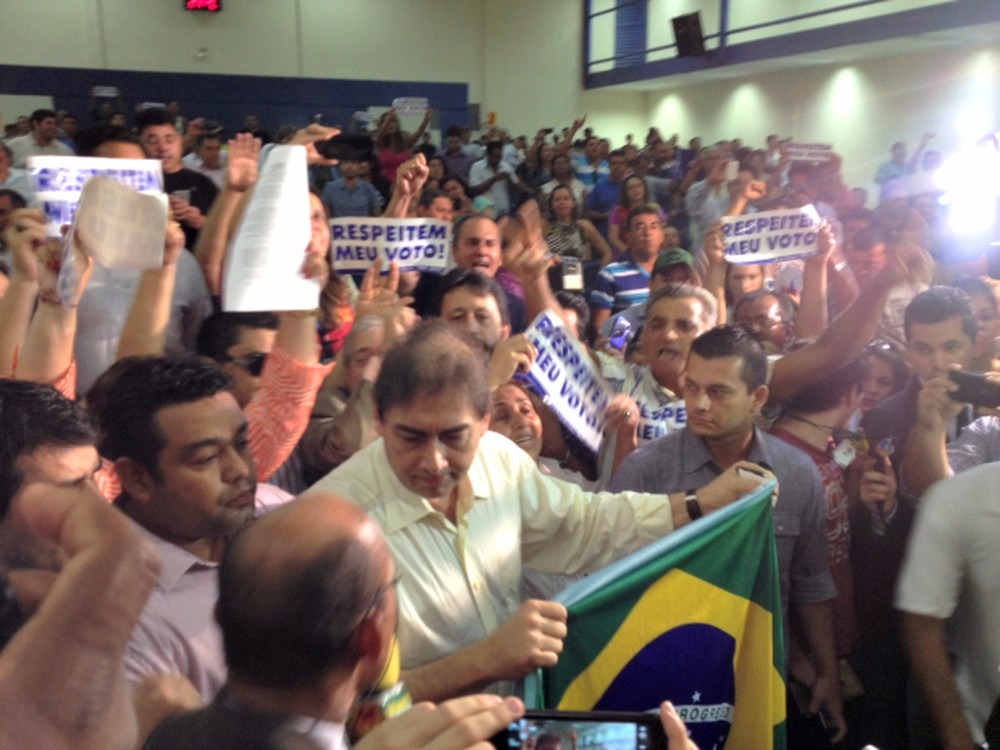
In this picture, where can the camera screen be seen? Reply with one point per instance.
(547, 734)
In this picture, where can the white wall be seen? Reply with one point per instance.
(533, 72)
(430, 40)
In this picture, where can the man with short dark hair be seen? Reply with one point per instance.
(43, 140)
(206, 158)
(435, 204)
(240, 343)
(724, 388)
(457, 160)
(190, 193)
(590, 166)
(494, 177)
(349, 195)
(437, 481)
(474, 303)
(605, 195)
(45, 438)
(625, 283)
(181, 448)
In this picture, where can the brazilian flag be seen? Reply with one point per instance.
(695, 619)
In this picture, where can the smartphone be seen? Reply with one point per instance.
(732, 170)
(345, 147)
(975, 389)
(592, 729)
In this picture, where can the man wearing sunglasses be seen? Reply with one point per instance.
(240, 343)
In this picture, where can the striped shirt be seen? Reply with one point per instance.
(619, 286)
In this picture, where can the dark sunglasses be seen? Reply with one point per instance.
(253, 362)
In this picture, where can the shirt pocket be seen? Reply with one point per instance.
(786, 525)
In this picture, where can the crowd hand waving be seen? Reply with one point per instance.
(25, 235)
(512, 355)
(309, 136)
(754, 190)
(531, 638)
(411, 176)
(379, 296)
(242, 169)
(526, 254)
(50, 263)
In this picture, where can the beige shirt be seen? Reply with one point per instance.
(460, 581)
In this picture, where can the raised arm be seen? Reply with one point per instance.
(144, 333)
(567, 143)
(410, 179)
(25, 233)
(224, 216)
(47, 352)
(849, 333)
(62, 674)
(411, 140)
(812, 318)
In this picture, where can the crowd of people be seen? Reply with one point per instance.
(219, 529)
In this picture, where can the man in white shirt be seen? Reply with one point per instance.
(41, 141)
(463, 508)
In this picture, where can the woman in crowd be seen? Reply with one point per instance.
(456, 188)
(634, 192)
(570, 236)
(562, 174)
(436, 170)
(392, 145)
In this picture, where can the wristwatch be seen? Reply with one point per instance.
(693, 508)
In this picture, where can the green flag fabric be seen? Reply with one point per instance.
(695, 619)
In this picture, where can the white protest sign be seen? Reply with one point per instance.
(415, 244)
(771, 235)
(118, 227)
(108, 92)
(809, 151)
(567, 379)
(410, 105)
(57, 182)
(263, 265)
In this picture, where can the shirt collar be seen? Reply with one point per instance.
(174, 561)
(406, 507)
(695, 454)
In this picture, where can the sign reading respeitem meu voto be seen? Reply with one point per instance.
(769, 236)
(414, 244)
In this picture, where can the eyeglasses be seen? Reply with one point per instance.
(253, 362)
(379, 593)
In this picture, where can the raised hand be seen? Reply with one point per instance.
(242, 169)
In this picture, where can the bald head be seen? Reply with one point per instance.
(294, 588)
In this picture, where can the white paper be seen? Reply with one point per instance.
(809, 151)
(263, 265)
(410, 105)
(118, 227)
(768, 236)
